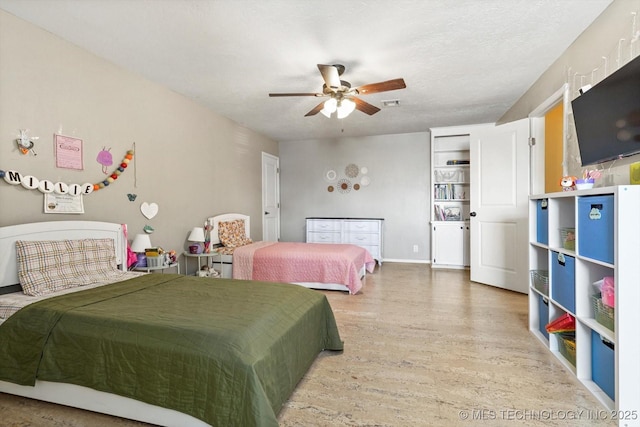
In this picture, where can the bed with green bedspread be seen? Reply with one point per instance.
(227, 352)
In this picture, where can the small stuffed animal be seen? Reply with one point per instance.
(568, 183)
(206, 271)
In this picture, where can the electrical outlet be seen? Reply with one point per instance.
(415, 248)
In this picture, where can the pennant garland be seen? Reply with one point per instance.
(45, 186)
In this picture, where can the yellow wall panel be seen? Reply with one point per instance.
(553, 148)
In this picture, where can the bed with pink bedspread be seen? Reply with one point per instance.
(313, 265)
(301, 263)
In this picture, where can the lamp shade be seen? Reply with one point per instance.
(197, 235)
(140, 243)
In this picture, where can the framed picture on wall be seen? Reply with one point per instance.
(63, 204)
(68, 152)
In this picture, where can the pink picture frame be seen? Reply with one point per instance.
(68, 152)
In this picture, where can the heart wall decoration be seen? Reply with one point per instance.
(149, 210)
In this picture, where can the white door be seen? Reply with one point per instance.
(499, 206)
(270, 198)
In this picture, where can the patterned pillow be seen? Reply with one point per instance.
(232, 233)
(49, 265)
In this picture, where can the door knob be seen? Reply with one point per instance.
(472, 214)
(266, 213)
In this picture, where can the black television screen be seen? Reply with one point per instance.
(607, 116)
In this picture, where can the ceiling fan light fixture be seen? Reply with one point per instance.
(330, 106)
(345, 108)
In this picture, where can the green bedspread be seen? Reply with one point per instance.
(224, 351)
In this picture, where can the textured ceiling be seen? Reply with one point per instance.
(464, 61)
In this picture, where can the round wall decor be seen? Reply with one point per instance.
(352, 170)
(344, 185)
(330, 175)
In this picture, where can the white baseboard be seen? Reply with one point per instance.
(408, 261)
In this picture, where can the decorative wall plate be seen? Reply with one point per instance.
(344, 185)
(352, 170)
(365, 180)
(330, 189)
(364, 170)
(330, 175)
(356, 186)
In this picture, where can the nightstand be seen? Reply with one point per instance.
(175, 265)
(216, 257)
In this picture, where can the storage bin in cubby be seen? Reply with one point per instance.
(542, 221)
(595, 227)
(603, 314)
(543, 315)
(540, 281)
(568, 238)
(603, 364)
(567, 348)
(563, 280)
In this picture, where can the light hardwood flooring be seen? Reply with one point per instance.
(422, 348)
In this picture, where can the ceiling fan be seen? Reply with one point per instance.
(342, 97)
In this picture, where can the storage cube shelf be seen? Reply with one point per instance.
(579, 237)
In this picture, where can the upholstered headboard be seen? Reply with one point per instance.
(215, 220)
(55, 230)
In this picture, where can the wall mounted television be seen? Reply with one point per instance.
(607, 116)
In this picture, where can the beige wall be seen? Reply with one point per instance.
(190, 161)
(605, 44)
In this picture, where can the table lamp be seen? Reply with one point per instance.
(139, 245)
(197, 236)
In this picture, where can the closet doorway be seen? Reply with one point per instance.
(549, 128)
(270, 198)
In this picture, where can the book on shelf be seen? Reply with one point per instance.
(458, 162)
(449, 192)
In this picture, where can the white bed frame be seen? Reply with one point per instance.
(228, 259)
(68, 394)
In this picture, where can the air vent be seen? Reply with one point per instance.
(391, 103)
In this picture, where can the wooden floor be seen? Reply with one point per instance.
(422, 348)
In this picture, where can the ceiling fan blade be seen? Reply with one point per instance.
(381, 87)
(315, 110)
(296, 94)
(365, 107)
(330, 75)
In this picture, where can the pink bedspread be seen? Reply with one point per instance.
(292, 262)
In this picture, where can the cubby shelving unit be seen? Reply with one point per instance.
(606, 227)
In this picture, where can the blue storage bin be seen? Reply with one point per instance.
(542, 221)
(563, 280)
(543, 315)
(595, 227)
(603, 365)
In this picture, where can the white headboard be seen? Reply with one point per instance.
(54, 230)
(215, 220)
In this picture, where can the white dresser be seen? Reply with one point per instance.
(364, 232)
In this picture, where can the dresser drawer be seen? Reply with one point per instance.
(323, 225)
(362, 226)
(323, 237)
(361, 238)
